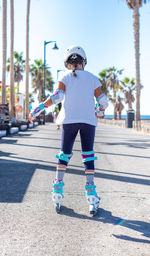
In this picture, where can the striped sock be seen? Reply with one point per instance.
(89, 177)
(60, 172)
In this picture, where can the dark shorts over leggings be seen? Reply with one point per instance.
(87, 135)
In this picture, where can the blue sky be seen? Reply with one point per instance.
(103, 28)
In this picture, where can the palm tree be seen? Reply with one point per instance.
(4, 51)
(113, 85)
(27, 62)
(38, 78)
(128, 88)
(18, 67)
(135, 5)
(109, 79)
(12, 93)
(103, 76)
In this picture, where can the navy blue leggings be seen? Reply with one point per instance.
(87, 135)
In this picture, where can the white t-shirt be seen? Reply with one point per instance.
(78, 105)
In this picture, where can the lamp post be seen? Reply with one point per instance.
(55, 47)
(59, 70)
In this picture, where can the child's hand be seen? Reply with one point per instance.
(100, 114)
(99, 111)
(31, 118)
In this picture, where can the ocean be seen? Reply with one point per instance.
(124, 117)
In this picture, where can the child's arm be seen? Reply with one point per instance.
(101, 102)
(55, 98)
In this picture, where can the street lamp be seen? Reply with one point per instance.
(59, 70)
(55, 47)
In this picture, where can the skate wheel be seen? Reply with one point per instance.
(93, 210)
(93, 213)
(57, 208)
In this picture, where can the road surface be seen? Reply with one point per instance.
(29, 225)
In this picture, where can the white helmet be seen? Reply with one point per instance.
(74, 49)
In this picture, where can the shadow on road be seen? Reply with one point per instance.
(15, 177)
(107, 217)
(120, 178)
(128, 144)
(120, 154)
(139, 226)
(100, 173)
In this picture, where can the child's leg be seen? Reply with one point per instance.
(69, 133)
(87, 134)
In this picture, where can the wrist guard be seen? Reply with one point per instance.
(99, 111)
(102, 101)
(38, 109)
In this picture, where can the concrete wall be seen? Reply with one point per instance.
(120, 123)
(141, 126)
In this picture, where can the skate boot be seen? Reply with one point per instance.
(92, 198)
(57, 196)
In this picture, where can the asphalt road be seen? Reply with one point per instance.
(29, 225)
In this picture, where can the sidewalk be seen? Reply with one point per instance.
(29, 225)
